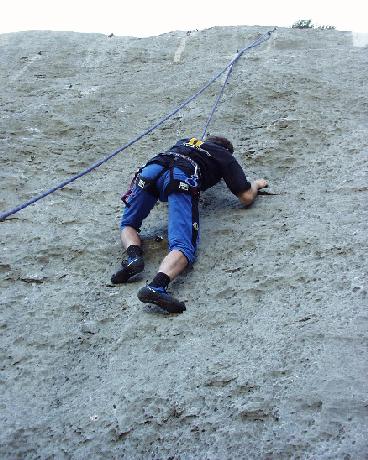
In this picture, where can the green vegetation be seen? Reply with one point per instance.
(307, 24)
(303, 24)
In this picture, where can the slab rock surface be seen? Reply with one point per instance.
(270, 358)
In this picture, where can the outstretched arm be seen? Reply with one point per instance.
(249, 195)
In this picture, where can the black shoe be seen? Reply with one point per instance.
(129, 268)
(160, 297)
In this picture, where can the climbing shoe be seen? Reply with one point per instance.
(128, 269)
(159, 296)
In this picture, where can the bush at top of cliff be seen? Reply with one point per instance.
(303, 24)
(307, 24)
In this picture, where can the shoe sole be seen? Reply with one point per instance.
(171, 305)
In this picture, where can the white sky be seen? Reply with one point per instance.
(152, 17)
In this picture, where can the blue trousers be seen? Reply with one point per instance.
(183, 225)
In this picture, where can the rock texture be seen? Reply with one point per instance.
(270, 358)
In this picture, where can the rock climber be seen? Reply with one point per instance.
(177, 176)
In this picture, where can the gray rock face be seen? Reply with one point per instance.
(270, 358)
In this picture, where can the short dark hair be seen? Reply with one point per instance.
(219, 140)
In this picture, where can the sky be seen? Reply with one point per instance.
(143, 18)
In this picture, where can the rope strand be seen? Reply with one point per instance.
(217, 102)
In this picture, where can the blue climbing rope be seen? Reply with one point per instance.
(230, 67)
(95, 165)
(217, 102)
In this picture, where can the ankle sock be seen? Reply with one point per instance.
(160, 280)
(134, 251)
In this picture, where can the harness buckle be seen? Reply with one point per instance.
(183, 186)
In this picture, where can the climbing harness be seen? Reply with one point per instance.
(191, 185)
(97, 164)
(168, 159)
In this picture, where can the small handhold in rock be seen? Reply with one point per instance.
(90, 327)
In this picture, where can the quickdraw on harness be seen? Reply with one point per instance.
(191, 185)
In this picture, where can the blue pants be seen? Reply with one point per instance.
(183, 227)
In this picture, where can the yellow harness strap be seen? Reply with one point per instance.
(194, 142)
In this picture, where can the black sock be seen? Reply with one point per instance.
(160, 280)
(134, 251)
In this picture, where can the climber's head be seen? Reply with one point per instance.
(222, 141)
